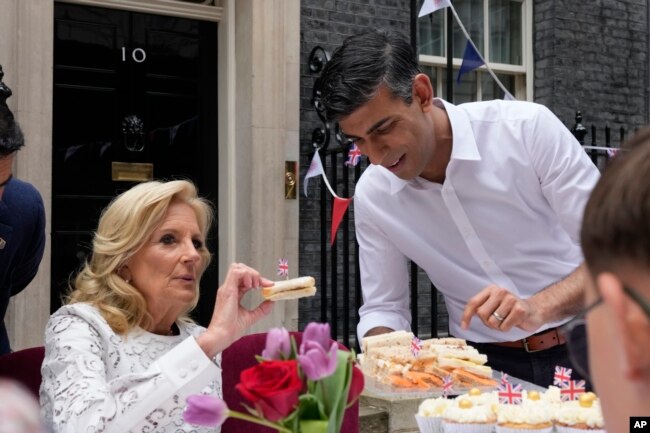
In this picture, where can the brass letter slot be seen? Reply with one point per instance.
(290, 179)
(131, 171)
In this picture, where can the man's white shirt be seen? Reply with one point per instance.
(508, 213)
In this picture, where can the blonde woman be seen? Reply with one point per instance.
(123, 354)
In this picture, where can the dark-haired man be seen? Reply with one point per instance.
(22, 218)
(616, 243)
(486, 197)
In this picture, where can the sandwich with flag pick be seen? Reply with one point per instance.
(294, 288)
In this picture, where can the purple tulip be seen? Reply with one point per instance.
(315, 362)
(318, 333)
(205, 410)
(278, 344)
(318, 353)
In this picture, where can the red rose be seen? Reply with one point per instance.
(272, 387)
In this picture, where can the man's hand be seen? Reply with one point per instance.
(378, 330)
(499, 309)
(559, 300)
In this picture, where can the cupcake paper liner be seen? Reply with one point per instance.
(567, 429)
(429, 424)
(451, 427)
(501, 429)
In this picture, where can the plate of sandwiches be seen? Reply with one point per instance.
(397, 364)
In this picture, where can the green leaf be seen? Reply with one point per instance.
(294, 349)
(333, 390)
(311, 408)
(311, 426)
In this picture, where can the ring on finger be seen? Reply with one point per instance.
(498, 316)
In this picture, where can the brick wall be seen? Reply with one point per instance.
(593, 56)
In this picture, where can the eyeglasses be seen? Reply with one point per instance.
(575, 332)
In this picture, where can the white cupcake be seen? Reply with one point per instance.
(429, 416)
(580, 416)
(463, 416)
(528, 417)
(477, 397)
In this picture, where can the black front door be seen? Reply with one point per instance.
(135, 98)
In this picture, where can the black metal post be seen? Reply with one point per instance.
(346, 262)
(334, 269)
(415, 326)
(414, 26)
(450, 55)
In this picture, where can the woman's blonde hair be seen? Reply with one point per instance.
(124, 227)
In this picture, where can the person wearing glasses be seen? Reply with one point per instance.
(615, 238)
(485, 197)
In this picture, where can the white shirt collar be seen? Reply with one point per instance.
(463, 145)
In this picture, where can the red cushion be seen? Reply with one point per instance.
(24, 366)
(240, 356)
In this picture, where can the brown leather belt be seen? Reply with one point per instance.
(542, 341)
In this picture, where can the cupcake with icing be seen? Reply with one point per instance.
(552, 395)
(530, 416)
(477, 397)
(580, 416)
(463, 416)
(429, 416)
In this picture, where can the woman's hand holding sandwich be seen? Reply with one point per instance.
(230, 319)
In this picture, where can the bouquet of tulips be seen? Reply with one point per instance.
(292, 389)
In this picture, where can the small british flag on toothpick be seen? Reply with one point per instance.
(562, 376)
(416, 346)
(447, 385)
(573, 390)
(509, 393)
(283, 268)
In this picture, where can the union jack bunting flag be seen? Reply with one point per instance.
(283, 267)
(562, 376)
(354, 155)
(509, 393)
(416, 346)
(447, 385)
(573, 390)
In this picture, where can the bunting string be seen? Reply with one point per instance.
(472, 54)
(478, 53)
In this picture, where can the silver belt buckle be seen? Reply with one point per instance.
(525, 340)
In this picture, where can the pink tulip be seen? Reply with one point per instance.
(205, 410)
(318, 353)
(278, 344)
(318, 333)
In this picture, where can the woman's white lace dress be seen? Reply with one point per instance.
(95, 380)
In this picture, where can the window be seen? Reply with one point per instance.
(502, 32)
